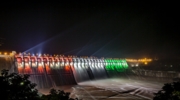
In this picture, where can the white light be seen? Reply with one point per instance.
(51, 65)
(62, 64)
(26, 64)
(19, 64)
(57, 64)
(40, 64)
(34, 64)
(71, 63)
(67, 64)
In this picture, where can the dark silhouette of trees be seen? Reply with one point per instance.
(17, 87)
(57, 95)
(170, 91)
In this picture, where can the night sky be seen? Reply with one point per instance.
(103, 29)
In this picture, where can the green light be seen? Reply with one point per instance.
(116, 65)
(108, 64)
(22, 83)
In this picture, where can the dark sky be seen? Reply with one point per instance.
(109, 29)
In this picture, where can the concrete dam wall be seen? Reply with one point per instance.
(51, 71)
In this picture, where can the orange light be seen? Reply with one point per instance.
(27, 70)
(20, 70)
(5, 53)
(67, 68)
(48, 69)
(40, 69)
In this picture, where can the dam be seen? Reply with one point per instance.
(90, 77)
(51, 71)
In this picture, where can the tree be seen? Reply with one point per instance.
(17, 87)
(170, 91)
(57, 95)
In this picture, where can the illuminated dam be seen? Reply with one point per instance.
(52, 71)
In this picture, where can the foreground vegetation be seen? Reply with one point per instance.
(17, 87)
(170, 91)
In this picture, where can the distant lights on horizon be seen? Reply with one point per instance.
(145, 60)
(6, 53)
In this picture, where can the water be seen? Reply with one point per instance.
(7, 62)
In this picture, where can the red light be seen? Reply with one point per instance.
(70, 59)
(33, 60)
(19, 60)
(26, 59)
(39, 60)
(44, 59)
(50, 59)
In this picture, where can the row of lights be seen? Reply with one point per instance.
(5, 53)
(47, 55)
(139, 60)
(39, 54)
